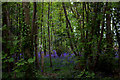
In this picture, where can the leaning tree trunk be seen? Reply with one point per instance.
(68, 23)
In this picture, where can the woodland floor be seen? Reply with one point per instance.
(63, 67)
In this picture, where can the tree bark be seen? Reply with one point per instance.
(68, 22)
(27, 23)
(28, 41)
(42, 54)
(101, 35)
(49, 34)
(34, 33)
(109, 33)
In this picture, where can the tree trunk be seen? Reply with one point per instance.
(7, 34)
(67, 22)
(29, 74)
(49, 34)
(101, 35)
(109, 33)
(42, 54)
(27, 22)
(34, 33)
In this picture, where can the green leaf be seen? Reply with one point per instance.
(11, 60)
(31, 60)
(4, 56)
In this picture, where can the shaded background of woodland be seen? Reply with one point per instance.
(90, 30)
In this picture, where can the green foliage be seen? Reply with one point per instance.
(31, 60)
(86, 74)
(11, 60)
(4, 56)
(84, 35)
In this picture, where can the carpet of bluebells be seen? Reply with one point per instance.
(63, 65)
(63, 60)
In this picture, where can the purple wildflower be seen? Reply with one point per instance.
(117, 56)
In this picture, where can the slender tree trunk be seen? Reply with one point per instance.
(101, 35)
(42, 23)
(87, 12)
(44, 44)
(34, 33)
(8, 25)
(51, 30)
(79, 22)
(42, 54)
(17, 54)
(49, 34)
(67, 22)
(83, 36)
(109, 33)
